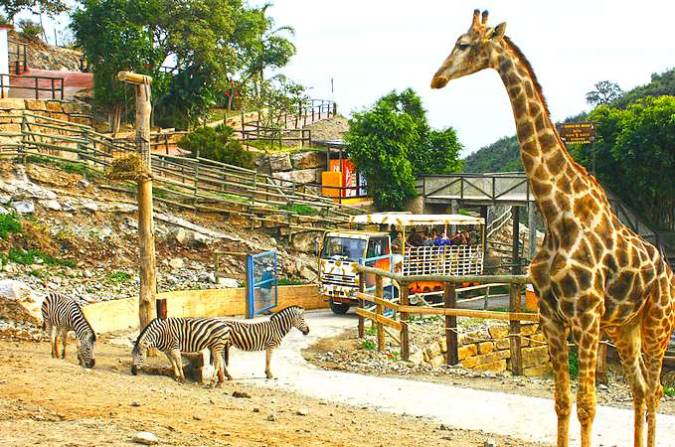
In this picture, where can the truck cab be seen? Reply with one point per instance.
(340, 253)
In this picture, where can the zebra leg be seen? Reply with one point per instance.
(52, 340)
(178, 365)
(218, 365)
(64, 341)
(169, 355)
(268, 360)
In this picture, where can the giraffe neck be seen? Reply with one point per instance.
(553, 175)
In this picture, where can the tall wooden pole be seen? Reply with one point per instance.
(146, 231)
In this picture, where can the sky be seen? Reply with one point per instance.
(370, 47)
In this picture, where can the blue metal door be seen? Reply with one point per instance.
(261, 283)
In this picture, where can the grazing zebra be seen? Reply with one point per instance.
(188, 335)
(63, 314)
(265, 335)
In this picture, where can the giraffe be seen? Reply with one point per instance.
(592, 273)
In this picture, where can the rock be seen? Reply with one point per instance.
(19, 303)
(305, 242)
(90, 205)
(5, 198)
(302, 177)
(302, 412)
(490, 443)
(241, 395)
(227, 282)
(200, 239)
(12, 104)
(207, 277)
(136, 403)
(84, 183)
(272, 417)
(279, 162)
(3, 210)
(196, 417)
(53, 204)
(68, 206)
(182, 236)
(308, 160)
(145, 438)
(177, 263)
(24, 206)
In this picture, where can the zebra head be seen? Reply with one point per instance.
(141, 346)
(294, 316)
(85, 351)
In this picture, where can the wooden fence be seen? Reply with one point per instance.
(188, 183)
(449, 310)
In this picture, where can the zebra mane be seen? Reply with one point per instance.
(142, 333)
(286, 310)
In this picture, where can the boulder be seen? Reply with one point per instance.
(19, 303)
(145, 438)
(53, 204)
(177, 263)
(227, 282)
(5, 198)
(12, 104)
(279, 162)
(24, 206)
(305, 242)
(302, 177)
(182, 236)
(308, 160)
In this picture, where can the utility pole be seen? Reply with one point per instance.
(146, 231)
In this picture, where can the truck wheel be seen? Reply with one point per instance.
(339, 308)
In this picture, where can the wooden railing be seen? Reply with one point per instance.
(450, 310)
(54, 85)
(189, 183)
(19, 52)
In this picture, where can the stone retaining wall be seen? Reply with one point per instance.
(71, 111)
(489, 350)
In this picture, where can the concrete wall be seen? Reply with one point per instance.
(116, 315)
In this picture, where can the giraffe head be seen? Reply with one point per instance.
(471, 52)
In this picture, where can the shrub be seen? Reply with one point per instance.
(9, 224)
(216, 143)
(30, 256)
(119, 277)
(30, 30)
(368, 344)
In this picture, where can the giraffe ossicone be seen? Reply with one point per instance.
(592, 273)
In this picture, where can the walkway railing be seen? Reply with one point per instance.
(37, 84)
(386, 311)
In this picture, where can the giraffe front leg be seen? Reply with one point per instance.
(556, 337)
(588, 341)
(629, 345)
(268, 360)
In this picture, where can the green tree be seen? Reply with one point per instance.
(205, 42)
(50, 7)
(605, 92)
(635, 156)
(392, 143)
(218, 144)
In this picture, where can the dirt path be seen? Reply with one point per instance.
(55, 403)
(525, 417)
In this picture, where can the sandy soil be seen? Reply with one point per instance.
(616, 394)
(56, 403)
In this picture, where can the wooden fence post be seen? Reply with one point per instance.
(515, 342)
(147, 307)
(450, 301)
(362, 288)
(405, 342)
(379, 309)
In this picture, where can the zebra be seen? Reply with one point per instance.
(63, 314)
(188, 335)
(265, 335)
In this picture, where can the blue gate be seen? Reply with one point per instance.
(261, 283)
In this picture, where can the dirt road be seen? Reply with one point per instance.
(55, 403)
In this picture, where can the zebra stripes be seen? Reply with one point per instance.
(266, 335)
(61, 314)
(174, 336)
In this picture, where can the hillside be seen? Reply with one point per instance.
(503, 156)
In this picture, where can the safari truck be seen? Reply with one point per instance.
(395, 242)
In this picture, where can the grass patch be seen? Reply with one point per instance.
(574, 363)
(31, 256)
(67, 166)
(669, 391)
(301, 209)
(289, 282)
(371, 331)
(41, 274)
(119, 277)
(9, 223)
(368, 344)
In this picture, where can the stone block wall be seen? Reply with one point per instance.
(70, 111)
(488, 350)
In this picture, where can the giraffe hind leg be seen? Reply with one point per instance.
(556, 337)
(588, 341)
(628, 344)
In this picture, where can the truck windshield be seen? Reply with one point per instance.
(343, 248)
